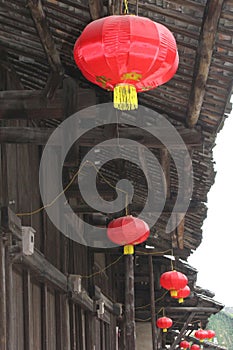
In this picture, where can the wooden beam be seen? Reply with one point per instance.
(43, 269)
(48, 44)
(28, 104)
(40, 136)
(96, 8)
(134, 207)
(211, 17)
(182, 331)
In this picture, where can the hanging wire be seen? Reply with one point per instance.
(87, 162)
(104, 269)
(136, 7)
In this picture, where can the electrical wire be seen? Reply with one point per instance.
(36, 211)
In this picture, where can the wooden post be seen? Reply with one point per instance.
(27, 310)
(152, 302)
(9, 299)
(2, 297)
(130, 332)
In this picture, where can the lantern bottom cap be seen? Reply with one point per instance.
(128, 249)
(125, 97)
(173, 293)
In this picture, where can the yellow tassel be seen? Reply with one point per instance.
(125, 97)
(128, 249)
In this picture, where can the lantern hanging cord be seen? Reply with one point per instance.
(126, 9)
(36, 211)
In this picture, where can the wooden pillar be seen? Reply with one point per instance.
(27, 311)
(152, 302)
(3, 342)
(9, 298)
(130, 332)
(45, 325)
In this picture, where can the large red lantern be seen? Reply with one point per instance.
(128, 231)
(173, 281)
(195, 347)
(201, 334)
(164, 323)
(126, 54)
(211, 334)
(182, 293)
(184, 345)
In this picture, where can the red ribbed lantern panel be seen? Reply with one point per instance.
(164, 323)
(132, 51)
(182, 293)
(201, 334)
(184, 344)
(128, 230)
(195, 347)
(173, 281)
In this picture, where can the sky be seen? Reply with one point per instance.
(214, 257)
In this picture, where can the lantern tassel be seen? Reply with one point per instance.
(125, 97)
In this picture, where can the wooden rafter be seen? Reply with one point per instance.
(49, 46)
(96, 8)
(182, 331)
(203, 59)
(115, 7)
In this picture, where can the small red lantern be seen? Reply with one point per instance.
(182, 293)
(211, 334)
(164, 323)
(184, 345)
(173, 281)
(201, 334)
(128, 231)
(127, 54)
(195, 347)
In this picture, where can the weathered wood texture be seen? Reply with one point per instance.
(41, 135)
(152, 301)
(130, 327)
(203, 59)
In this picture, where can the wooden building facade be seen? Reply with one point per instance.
(67, 295)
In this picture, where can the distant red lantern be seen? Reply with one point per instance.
(211, 334)
(128, 231)
(184, 345)
(173, 281)
(126, 54)
(195, 347)
(164, 323)
(182, 293)
(201, 334)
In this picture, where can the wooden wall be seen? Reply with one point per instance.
(37, 314)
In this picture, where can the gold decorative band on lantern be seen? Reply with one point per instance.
(125, 97)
